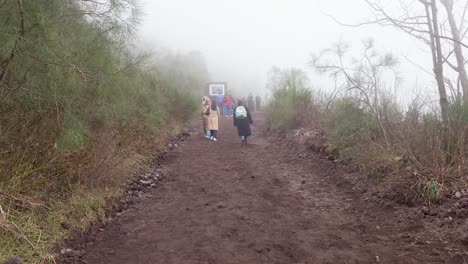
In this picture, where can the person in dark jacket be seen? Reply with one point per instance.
(242, 120)
(258, 102)
(251, 102)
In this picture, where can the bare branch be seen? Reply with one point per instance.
(21, 13)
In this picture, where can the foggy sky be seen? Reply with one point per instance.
(241, 40)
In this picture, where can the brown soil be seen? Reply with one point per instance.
(265, 203)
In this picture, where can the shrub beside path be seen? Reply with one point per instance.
(223, 203)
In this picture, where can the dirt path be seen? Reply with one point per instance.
(221, 203)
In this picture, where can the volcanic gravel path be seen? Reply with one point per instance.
(221, 203)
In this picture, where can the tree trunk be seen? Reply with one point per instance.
(438, 63)
(458, 50)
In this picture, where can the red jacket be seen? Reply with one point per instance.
(227, 100)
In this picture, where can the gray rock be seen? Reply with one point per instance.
(458, 195)
(146, 183)
(429, 211)
(132, 200)
(425, 209)
(65, 251)
(13, 260)
(448, 220)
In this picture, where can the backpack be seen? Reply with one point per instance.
(241, 112)
(208, 112)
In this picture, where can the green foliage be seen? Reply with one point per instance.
(429, 189)
(291, 99)
(349, 122)
(75, 134)
(68, 71)
(69, 84)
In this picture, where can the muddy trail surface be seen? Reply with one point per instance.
(222, 203)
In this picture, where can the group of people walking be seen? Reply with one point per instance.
(253, 103)
(211, 113)
(226, 103)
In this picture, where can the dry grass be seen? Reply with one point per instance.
(31, 224)
(410, 162)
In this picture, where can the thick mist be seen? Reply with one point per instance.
(242, 40)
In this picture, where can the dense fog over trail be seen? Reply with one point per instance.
(242, 40)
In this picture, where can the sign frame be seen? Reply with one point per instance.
(217, 88)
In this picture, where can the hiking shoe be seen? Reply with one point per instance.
(214, 139)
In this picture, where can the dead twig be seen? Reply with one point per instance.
(24, 202)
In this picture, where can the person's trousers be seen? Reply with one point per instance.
(227, 110)
(214, 133)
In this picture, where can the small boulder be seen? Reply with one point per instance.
(146, 183)
(428, 211)
(448, 220)
(458, 195)
(132, 200)
(65, 251)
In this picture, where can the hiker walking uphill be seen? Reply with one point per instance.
(219, 101)
(213, 118)
(205, 112)
(258, 103)
(251, 103)
(242, 120)
(227, 109)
